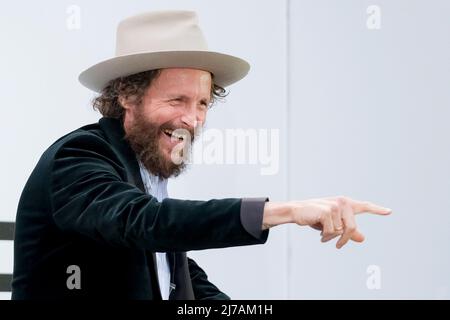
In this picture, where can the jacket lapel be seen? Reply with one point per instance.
(115, 134)
(180, 281)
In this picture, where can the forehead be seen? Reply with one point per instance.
(184, 78)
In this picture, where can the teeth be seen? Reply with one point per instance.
(177, 136)
(171, 133)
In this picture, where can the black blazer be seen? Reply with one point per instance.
(85, 205)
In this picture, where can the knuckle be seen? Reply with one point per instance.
(369, 204)
(334, 209)
(325, 215)
(327, 233)
(342, 200)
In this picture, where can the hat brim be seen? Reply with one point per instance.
(226, 69)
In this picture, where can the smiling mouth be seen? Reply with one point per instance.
(171, 134)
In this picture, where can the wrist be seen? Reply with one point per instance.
(276, 213)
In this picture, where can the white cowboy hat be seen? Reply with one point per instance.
(163, 39)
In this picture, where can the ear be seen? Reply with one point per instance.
(128, 111)
(125, 103)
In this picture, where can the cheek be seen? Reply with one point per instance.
(165, 114)
(203, 116)
(155, 111)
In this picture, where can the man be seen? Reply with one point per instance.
(94, 219)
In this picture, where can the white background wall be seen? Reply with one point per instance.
(361, 112)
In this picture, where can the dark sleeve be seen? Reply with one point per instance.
(203, 289)
(252, 210)
(90, 196)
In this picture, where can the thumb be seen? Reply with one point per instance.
(357, 236)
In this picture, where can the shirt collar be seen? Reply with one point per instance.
(154, 185)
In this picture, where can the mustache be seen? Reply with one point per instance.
(191, 131)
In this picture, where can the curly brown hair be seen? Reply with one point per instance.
(133, 87)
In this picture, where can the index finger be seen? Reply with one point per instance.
(365, 206)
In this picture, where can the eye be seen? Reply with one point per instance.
(175, 101)
(204, 105)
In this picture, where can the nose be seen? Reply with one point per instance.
(189, 120)
(191, 117)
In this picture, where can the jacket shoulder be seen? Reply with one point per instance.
(88, 132)
(89, 139)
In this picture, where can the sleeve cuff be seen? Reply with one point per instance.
(252, 210)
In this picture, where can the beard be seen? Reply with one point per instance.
(143, 137)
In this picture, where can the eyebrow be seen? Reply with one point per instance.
(185, 97)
